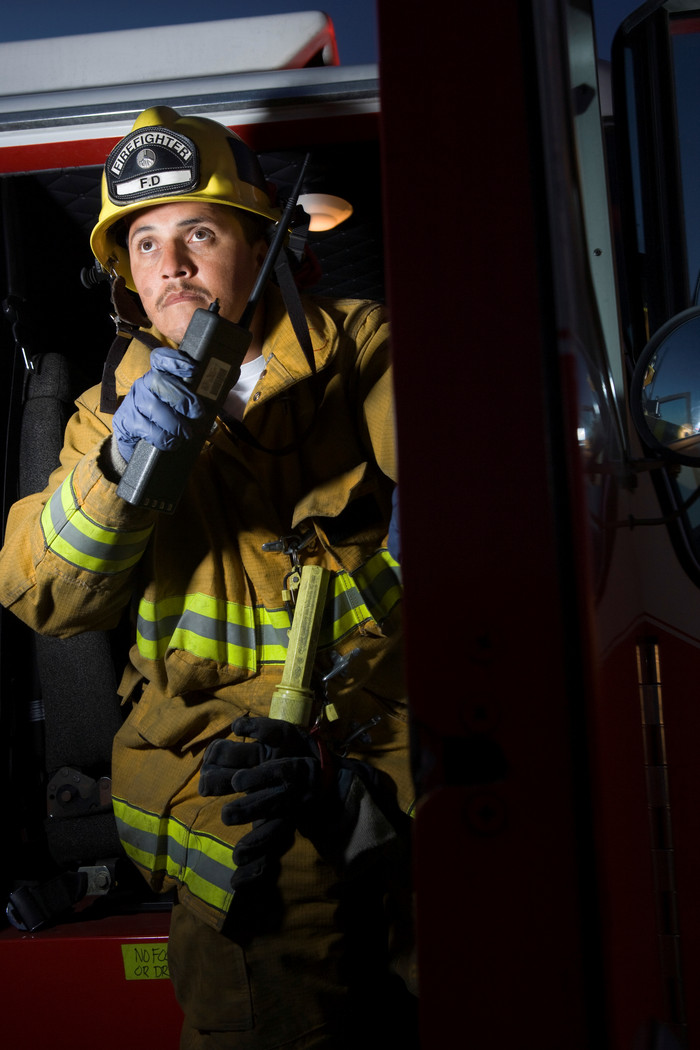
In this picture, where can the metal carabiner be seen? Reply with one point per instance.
(289, 545)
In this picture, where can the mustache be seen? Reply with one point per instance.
(182, 286)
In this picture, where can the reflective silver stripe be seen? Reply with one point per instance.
(213, 629)
(199, 861)
(71, 534)
(239, 636)
(369, 593)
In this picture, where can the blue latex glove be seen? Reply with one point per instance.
(288, 781)
(159, 407)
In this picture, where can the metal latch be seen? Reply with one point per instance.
(70, 793)
(32, 907)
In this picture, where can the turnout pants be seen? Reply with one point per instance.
(301, 966)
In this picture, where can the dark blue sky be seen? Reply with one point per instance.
(608, 15)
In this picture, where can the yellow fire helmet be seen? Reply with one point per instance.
(169, 157)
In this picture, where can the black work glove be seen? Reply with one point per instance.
(289, 781)
(280, 771)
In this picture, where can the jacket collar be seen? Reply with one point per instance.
(281, 349)
(283, 355)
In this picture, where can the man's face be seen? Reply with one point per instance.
(186, 254)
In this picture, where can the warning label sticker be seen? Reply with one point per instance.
(146, 961)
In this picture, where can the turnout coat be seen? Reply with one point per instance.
(313, 459)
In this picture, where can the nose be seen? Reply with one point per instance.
(176, 261)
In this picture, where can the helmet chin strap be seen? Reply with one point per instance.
(127, 307)
(128, 318)
(292, 301)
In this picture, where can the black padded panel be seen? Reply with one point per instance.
(351, 255)
(83, 840)
(76, 675)
(50, 393)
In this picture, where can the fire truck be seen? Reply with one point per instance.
(530, 216)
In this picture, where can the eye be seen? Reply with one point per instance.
(145, 245)
(201, 233)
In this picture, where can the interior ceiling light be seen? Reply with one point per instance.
(326, 212)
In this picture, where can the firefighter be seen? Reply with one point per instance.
(286, 846)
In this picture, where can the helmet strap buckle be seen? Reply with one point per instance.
(127, 307)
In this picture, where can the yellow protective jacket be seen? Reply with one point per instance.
(211, 623)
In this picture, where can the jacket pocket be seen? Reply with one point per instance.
(180, 723)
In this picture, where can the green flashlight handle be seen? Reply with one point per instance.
(292, 699)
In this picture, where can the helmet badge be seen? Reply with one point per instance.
(151, 162)
(146, 158)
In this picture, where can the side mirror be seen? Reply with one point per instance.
(665, 390)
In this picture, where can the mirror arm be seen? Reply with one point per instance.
(642, 466)
(625, 473)
(630, 522)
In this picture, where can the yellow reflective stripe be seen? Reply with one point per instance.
(213, 629)
(161, 843)
(209, 649)
(229, 633)
(369, 593)
(71, 534)
(379, 581)
(345, 619)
